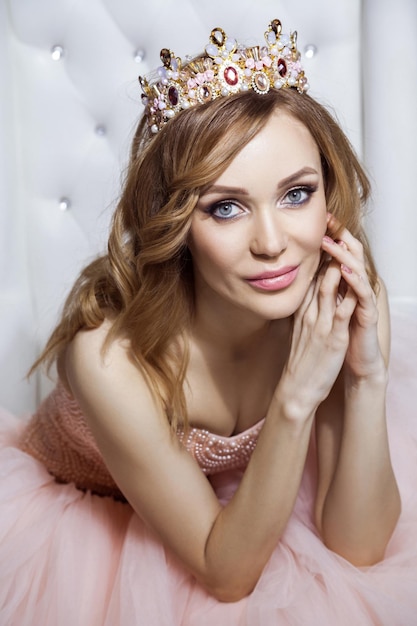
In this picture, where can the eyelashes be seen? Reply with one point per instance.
(225, 210)
(299, 195)
(229, 209)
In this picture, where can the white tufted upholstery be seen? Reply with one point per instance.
(65, 128)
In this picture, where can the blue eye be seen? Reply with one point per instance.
(225, 210)
(298, 195)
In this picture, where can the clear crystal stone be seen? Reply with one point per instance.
(212, 50)
(218, 36)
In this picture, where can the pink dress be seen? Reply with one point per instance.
(73, 553)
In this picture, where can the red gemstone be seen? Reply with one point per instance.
(282, 67)
(231, 76)
(173, 96)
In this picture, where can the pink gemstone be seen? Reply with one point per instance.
(231, 76)
(173, 96)
(282, 67)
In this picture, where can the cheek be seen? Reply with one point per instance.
(317, 226)
(205, 251)
(216, 248)
(314, 233)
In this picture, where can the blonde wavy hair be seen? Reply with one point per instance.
(144, 282)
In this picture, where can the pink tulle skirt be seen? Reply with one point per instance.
(69, 558)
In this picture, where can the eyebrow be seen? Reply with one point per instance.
(289, 180)
(294, 177)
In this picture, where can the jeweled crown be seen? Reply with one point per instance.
(225, 68)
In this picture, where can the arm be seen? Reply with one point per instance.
(163, 483)
(165, 486)
(358, 502)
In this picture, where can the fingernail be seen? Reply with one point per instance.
(341, 244)
(328, 239)
(346, 269)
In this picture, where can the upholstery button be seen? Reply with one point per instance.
(100, 130)
(139, 55)
(57, 52)
(310, 50)
(64, 203)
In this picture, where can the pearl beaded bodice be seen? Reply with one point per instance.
(216, 453)
(59, 437)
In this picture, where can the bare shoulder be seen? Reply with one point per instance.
(86, 350)
(84, 353)
(89, 358)
(105, 380)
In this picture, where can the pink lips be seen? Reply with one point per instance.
(275, 280)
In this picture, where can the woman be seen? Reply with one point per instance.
(216, 449)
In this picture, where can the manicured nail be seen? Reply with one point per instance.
(346, 269)
(328, 239)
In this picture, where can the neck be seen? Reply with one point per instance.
(236, 334)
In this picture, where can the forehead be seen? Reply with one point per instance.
(284, 144)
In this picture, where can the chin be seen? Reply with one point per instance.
(277, 312)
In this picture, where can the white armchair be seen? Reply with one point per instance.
(70, 99)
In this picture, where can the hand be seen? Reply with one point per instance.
(363, 356)
(320, 338)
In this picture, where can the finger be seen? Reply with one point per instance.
(340, 232)
(329, 285)
(360, 284)
(308, 300)
(345, 310)
(349, 262)
(343, 287)
(356, 278)
(306, 316)
(334, 281)
(335, 292)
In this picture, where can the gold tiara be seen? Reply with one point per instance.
(225, 68)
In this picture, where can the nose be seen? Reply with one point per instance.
(268, 237)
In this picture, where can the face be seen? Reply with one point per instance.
(256, 232)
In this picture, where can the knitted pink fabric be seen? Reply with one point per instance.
(59, 437)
